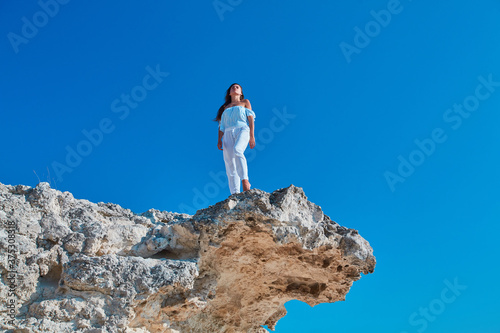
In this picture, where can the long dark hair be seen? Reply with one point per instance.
(227, 101)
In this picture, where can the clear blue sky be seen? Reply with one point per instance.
(389, 123)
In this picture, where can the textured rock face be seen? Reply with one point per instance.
(87, 267)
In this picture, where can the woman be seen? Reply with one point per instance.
(236, 131)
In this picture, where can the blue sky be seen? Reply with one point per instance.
(386, 113)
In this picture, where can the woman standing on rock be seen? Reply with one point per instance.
(236, 131)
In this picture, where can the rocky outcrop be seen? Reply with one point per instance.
(70, 265)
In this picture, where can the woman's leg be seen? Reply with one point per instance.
(246, 185)
(229, 161)
(241, 143)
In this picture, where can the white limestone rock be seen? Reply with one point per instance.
(231, 267)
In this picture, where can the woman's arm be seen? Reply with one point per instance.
(252, 136)
(219, 142)
(250, 124)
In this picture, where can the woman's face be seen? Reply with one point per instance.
(235, 89)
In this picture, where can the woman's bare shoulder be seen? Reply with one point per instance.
(247, 104)
(244, 102)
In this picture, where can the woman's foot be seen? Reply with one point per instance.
(246, 185)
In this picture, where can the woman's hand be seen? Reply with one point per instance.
(252, 142)
(219, 144)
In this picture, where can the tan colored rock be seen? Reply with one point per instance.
(231, 267)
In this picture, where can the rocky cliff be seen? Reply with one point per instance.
(70, 265)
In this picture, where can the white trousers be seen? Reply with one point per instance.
(234, 143)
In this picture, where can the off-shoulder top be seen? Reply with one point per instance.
(235, 116)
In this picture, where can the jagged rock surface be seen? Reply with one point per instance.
(87, 267)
